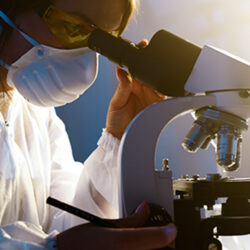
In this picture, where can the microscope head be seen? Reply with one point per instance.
(174, 66)
(217, 70)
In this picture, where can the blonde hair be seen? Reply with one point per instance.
(131, 10)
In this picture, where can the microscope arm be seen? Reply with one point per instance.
(136, 158)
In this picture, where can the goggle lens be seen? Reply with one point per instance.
(72, 31)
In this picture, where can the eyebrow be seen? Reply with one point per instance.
(88, 20)
(85, 18)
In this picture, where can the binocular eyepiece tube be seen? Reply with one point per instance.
(164, 65)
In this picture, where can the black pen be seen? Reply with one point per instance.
(80, 213)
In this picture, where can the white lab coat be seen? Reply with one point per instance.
(36, 162)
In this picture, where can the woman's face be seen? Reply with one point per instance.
(106, 14)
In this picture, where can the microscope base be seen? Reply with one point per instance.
(197, 233)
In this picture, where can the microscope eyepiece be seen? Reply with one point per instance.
(116, 49)
(164, 65)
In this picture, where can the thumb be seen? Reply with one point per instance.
(137, 219)
(124, 89)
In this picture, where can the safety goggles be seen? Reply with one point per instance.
(72, 31)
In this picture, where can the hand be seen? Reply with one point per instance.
(130, 236)
(130, 98)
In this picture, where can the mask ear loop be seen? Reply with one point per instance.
(27, 37)
(1, 29)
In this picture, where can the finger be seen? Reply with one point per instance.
(152, 95)
(143, 43)
(124, 88)
(145, 94)
(137, 87)
(164, 97)
(112, 238)
(137, 219)
(146, 238)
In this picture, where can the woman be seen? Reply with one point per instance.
(35, 154)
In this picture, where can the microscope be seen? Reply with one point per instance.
(211, 84)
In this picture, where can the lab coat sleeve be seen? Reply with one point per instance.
(26, 236)
(91, 186)
(97, 188)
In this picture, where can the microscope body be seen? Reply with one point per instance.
(221, 104)
(139, 179)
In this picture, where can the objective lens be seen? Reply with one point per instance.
(236, 165)
(226, 146)
(226, 127)
(206, 143)
(196, 137)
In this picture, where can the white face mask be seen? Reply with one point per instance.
(47, 76)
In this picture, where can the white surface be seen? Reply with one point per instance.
(216, 69)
